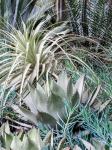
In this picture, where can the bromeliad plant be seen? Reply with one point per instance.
(28, 54)
(48, 104)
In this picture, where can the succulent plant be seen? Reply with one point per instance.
(47, 104)
(27, 141)
(32, 140)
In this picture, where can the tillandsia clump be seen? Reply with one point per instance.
(29, 53)
(48, 103)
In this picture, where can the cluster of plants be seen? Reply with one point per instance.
(55, 75)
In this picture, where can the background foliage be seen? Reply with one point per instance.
(38, 40)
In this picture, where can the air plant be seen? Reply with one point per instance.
(28, 54)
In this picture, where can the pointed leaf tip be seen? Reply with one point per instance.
(79, 86)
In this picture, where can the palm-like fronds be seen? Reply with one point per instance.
(92, 18)
(60, 6)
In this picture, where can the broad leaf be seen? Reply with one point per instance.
(16, 143)
(55, 105)
(26, 113)
(34, 136)
(57, 90)
(38, 98)
(46, 118)
(79, 86)
(70, 89)
(63, 81)
(25, 143)
(75, 99)
(32, 145)
(8, 140)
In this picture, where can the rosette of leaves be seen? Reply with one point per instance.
(47, 104)
(32, 140)
(29, 53)
(27, 141)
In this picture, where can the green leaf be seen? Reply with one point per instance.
(79, 86)
(34, 136)
(75, 99)
(63, 81)
(25, 113)
(8, 141)
(32, 145)
(29, 115)
(55, 105)
(110, 125)
(25, 144)
(38, 98)
(46, 118)
(16, 143)
(70, 89)
(57, 90)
